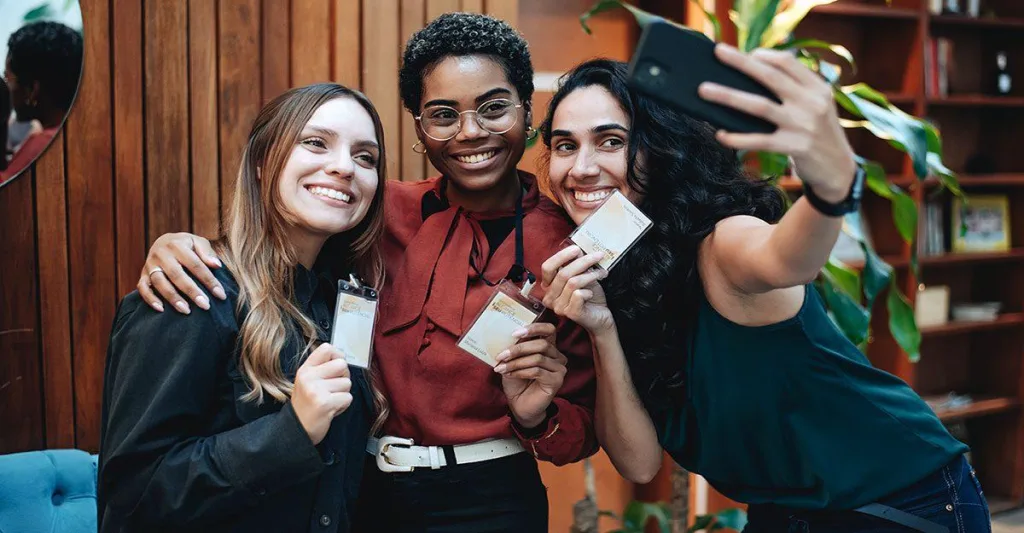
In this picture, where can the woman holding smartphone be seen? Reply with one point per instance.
(459, 445)
(710, 342)
(243, 419)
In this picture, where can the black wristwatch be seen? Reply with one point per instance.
(848, 205)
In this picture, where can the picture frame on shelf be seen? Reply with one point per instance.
(986, 218)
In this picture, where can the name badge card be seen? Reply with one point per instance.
(355, 315)
(508, 309)
(613, 229)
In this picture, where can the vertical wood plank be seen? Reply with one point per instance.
(128, 139)
(380, 76)
(91, 229)
(473, 6)
(507, 10)
(54, 300)
(276, 17)
(239, 52)
(167, 129)
(414, 166)
(436, 8)
(21, 415)
(202, 29)
(346, 58)
(311, 41)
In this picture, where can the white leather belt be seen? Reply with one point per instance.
(395, 454)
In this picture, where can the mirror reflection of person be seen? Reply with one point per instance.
(5, 113)
(42, 69)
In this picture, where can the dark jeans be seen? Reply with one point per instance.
(500, 495)
(950, 497)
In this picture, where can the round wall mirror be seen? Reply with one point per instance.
(41, 46)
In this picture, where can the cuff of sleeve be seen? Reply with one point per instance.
(543, 430)
(272, 451)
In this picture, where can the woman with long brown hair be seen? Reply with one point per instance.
(245, 418)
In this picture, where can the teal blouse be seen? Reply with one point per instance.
(794, 414)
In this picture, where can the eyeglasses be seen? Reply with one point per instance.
(442, 123)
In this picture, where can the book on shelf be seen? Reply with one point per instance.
(971, 8)
(938, 63)
(931, 238)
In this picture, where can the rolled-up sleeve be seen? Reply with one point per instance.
(164, 383)
(568, 435)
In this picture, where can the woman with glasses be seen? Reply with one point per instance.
(458, 445)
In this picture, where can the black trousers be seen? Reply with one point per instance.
(500, 495)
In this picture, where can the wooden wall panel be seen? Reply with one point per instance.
(276, 16)
(129, 172)
(507, 10)
(347, 61)
(20, 380)
(311, 41)
(203, 145)
(414, 166)
(380, 81)
(436, 8)
(473, 6)
(239, 67)
(54, 299)
(91, 223)
(166, 120)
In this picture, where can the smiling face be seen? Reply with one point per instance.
(589, 145)
(329, 180)
(474, 159)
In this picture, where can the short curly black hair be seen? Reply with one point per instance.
(50, 53)
(462, 34)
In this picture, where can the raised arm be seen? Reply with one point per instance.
(756, 257)
(623, 427)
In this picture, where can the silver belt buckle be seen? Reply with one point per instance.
(386, 443)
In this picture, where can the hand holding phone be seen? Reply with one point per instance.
(766, 100)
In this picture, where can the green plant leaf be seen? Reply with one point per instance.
(806, 44)
(904, 214)
(842, 277)
(786, 21)
(851, 317)
(902, 324)
(773, 164)
(39, 12)
(700, 523)
(759, 25)
(643, 18)
(731, 518)
(876, 275)
(902, 131)
(712, 18)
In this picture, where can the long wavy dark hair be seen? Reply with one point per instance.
(689, 182)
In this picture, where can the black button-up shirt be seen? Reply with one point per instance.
(180, 451)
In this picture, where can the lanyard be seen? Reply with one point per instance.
(518, 272)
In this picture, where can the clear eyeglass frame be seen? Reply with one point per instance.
(476, 115)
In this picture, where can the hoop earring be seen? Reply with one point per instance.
(531, 133)
(422, 149)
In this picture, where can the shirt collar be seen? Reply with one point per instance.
(436, 201)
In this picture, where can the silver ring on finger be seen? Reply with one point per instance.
(155, 270)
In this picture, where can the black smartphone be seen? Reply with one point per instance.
(670, 63)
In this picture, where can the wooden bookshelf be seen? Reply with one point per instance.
(982, 135)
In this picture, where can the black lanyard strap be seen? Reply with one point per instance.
(518, 272)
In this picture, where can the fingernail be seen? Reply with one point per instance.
(159, 307)
(183, 307)
(519, 332)
(500, 369)
(217, 262)
(203, 302)
(503, 355)
(219, 293)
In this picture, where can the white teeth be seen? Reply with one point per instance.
(330, 193)
(592, 196)
(475, 158)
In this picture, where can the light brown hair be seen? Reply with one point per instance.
(256, 248)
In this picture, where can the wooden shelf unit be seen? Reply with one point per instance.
(982, 359)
